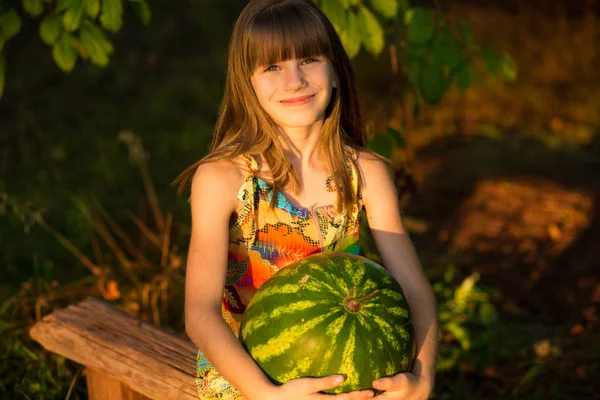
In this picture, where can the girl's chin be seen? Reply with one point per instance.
(288, 123)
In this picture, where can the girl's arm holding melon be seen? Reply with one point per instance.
(380, 200)
(213, 200)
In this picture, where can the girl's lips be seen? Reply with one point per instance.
(298, 102)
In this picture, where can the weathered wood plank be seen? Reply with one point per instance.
(153, 362)
(103, 387)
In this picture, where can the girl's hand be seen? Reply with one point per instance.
(405, 386)
(309, 388)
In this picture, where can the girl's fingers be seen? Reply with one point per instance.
(357, 395)
(316, 385)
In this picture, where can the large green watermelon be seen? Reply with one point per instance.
(330, 313)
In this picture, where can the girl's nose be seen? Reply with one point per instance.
(294, 78)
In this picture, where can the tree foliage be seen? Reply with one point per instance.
(437, 52)
(74, 29)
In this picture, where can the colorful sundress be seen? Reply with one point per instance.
(262, 241)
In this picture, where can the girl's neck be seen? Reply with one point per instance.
(301, 144)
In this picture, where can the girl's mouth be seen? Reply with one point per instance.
(298, 101)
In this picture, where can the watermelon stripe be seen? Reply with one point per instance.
(265, 318)
(279, 344)
(395, 311)
(393, 295)
(333, 330)
(348, 364)
(387, 331)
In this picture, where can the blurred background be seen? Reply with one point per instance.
(498, 146)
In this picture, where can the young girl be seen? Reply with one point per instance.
(286, 177)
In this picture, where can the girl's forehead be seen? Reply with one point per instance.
(278, 40)
(277, 58)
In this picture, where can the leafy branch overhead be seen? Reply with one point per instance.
(72, 28)
(437, 52)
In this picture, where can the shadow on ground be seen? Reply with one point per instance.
(527, 218)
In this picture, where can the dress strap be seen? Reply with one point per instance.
(250, 162)
(246, 194)
(351, 152)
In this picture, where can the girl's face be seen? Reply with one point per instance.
(296, 92)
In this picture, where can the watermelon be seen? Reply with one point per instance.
(330, 313)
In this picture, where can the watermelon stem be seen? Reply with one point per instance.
(355, 304)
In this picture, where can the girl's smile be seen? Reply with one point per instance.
(297, 101)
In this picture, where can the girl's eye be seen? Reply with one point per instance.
(274, 68)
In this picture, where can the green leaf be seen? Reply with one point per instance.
(350, 36)
(336, 13)
(93, 47)
(463, 77)
(142, 10)
(98, 36)
(2, 40)
(10, 22)
(421, 26)
(463, 293)
(445, 49)
(64, 53)
(432, 83)
(2, 76)
(345, 3)
(72, 17)
(403, 5)
(111, 17)
(382, 144)
(508, 68)
(493, 60)
(414, 70)
(461, 335)
(371, 31)
(35, 8)
(416, 50)
(465, 33)
(387, 8)
(92, 8)
(487, 314)
(396, 136)
(50, 28)
(62, 5)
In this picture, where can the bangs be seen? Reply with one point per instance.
(283, 33)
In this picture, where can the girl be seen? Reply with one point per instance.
(286, 177)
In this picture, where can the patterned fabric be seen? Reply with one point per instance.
(262, 241)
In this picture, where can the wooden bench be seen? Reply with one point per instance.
(125, 358)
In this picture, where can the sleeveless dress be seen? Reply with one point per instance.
(262, 241)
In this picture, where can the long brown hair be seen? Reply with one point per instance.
(268, 32)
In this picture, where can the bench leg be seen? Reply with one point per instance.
(105, 387)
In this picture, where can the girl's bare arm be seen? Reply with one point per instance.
(399, 257)
(213, 200)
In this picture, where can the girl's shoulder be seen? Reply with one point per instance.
(373, 169)
(222, 178)
(369, 162)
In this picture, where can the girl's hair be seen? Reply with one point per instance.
(268, 32)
